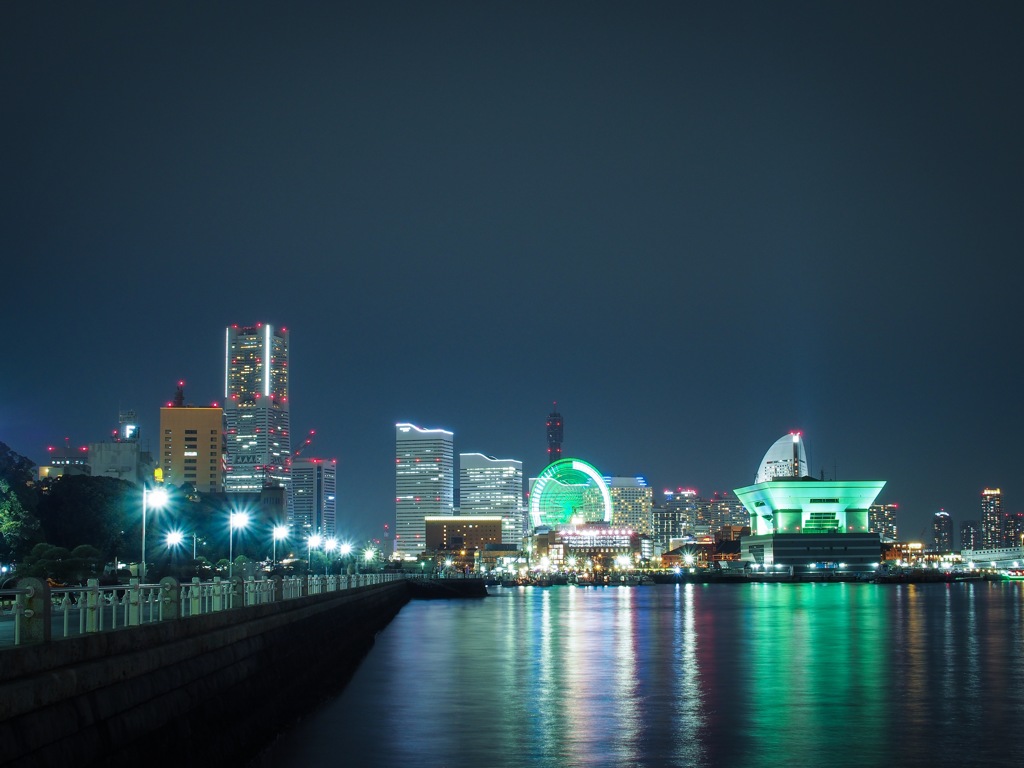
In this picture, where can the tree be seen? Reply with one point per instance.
(99, 511)
(19, 529)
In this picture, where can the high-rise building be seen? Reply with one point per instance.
(256, 411)
(882, 520)
(314, 497)
(191, 445)
(676, 516)
(632, 503)
(970, 535)
(424, 483)
(1013, 527)
(942, 531)
(991, 518)
(490, 486)
(555, 429)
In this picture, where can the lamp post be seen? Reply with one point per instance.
(156, 498)
(236, 520)
(311, 543)
(280, 532)
(331, 546)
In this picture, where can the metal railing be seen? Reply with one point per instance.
(33, 607)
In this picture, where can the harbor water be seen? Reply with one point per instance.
(826, 674)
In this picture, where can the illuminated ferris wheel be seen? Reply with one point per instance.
(569, 491)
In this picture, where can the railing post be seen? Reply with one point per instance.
(195, 596)
(170, 598)
(134, 608)
(34, 611)
(92, 605)
(237, 589)
(218, 594)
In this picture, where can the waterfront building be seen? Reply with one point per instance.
(632, 503)
(586, 546)
(493, 486)
(424, 483)
(882, 520)
(257, 420)
(1012, 529)
(462, 532)
(942, 531)
(786, 458)
(191, 444)
(314, 497)
(555, 432)
(804, 523)
(991, 518)
(675, 517)
(970, 535)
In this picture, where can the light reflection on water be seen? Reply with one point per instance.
(687, 675)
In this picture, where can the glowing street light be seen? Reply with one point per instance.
(280, 532)
(157, 499)
(236, 520)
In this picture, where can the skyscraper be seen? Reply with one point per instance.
(490, 486)
(882, 520)
(970, 535)
(991, 518)
(256, 411)
(942, 531)
(424, 483)
(554, 434)
(632, 503)
(314, 501)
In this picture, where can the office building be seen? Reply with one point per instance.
(676, 516)
(257, 423)
(191, 445)
(1012, 532)
(490, 486)
(424, 483)
(991, 518)
(65, 461)
(314, 498)
(970, 535)
(882, 520)
(942, 532)
(632, 503)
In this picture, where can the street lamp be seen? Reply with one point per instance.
(280, 532)
(313, 542)
(368, 555)
(236, 520)
(330, 546)
(156, 498)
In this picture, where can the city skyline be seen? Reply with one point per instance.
(693, 228)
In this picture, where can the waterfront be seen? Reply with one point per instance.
(695, 674)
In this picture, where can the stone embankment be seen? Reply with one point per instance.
(212, 689)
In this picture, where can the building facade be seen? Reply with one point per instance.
(555, 432)
(970, 535)
(882, 520)
(490, 486)
(632, 503)
(257, 422)
(424, 483)
(991, 518)
(942, 531)
(314, 498)
(191, 446)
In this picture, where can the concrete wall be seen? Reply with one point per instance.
(210, 688)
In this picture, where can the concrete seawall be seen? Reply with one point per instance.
(209, 688)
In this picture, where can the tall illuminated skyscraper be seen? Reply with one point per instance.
(424, 483)
(314, 500)
(555, 429)
(490, 486)
(991, 518)
(632, 503)
(257, 425)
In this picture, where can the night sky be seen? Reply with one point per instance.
(697, 226)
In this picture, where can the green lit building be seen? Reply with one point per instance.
(803, 524)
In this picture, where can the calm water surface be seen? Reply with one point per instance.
(687, 675)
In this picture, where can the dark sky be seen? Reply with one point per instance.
(696, 226)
